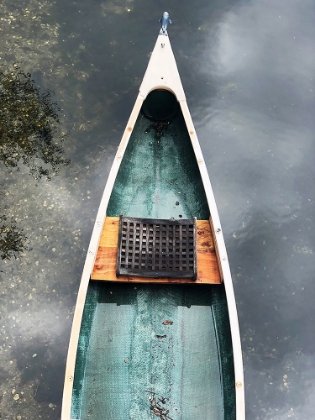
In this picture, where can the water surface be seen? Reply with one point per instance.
(248, 71)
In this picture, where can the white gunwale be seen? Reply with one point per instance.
(161, 73)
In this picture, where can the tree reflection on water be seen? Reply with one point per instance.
(29, 136)
(12, 239)
(29, 126)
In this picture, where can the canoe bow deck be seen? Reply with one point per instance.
(143, 347)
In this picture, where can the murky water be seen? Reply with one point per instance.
(248, 72)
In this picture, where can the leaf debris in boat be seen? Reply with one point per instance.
(156, 405)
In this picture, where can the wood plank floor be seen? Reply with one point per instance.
(105, 263)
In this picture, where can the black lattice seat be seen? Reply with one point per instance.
(157, 248)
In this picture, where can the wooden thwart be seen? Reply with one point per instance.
(106, 259)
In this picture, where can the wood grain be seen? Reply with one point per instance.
(105, 263)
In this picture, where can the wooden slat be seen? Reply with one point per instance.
(105, 263)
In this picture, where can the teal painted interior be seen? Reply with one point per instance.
(155, 351)
(130, 355)
(159, 176)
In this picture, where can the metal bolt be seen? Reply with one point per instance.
(70, 378)
(91, 252)
(162, 45)
(218, 230)
(238, 384)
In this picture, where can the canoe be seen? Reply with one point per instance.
(155, 331)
